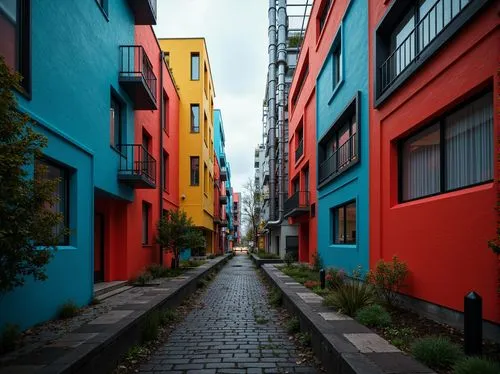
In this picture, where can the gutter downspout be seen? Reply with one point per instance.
(162, 119)
(281, 110)
(271, 105)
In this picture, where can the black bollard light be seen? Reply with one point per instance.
(473, 323)
(322, 278)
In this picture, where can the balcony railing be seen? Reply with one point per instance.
(340, 159)
(223, 200)
(300, 149)
(137, 166)
(222, 159)
(223, 174)
(425, 31)
(144, 11)
(297, 204)
(137, 77)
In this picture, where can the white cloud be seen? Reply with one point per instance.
(236, 35)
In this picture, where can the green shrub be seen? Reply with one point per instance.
(320, 291)
(388, 278)
(290, 258)
(168, 316)
(9, 337)
(157, 270)
(151, 326)
(351, 297)
(304, 339)
(436, 352)
(276, 298)
(476, 365)
(144, 278)
(192, 263)
(301, 273)
(317, 262)
(335, 278)
(400, 337)
(267, 256)
(293, 325)
(373, 316)
(202, 283)
(68, 310)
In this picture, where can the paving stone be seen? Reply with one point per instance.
(332, 316)
(368, 342)
(222, 335)
(111, 317)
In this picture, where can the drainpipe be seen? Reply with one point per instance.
(271, 105)
(162, 121)
(281, 110)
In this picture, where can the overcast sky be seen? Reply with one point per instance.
(236, 35)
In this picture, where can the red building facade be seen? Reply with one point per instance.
(433, 153)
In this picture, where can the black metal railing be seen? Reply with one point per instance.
(134, 63)
(136, 161)
(424, 32)
(223, 174)
(339, 159)
(300, 149)
(223, 200)
(299, 200)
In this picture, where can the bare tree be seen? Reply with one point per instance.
(251, 203)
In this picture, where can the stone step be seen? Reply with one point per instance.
(113, 292)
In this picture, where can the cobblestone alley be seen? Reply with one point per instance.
(224, 336)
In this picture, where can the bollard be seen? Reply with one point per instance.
(473, 324)
(322, 278)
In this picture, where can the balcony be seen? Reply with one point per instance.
(223, 223)
(300, 150)
(223, 174)
(144, 11)
(223, 200)
(137, 166)
(297, 204)
(342, 158)
(222, 159)
(137, 77)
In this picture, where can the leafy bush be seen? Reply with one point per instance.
(334, 278)
(400, 337)
(290, 258)
(168, 316)
(68, 310)
(301, 273)
(192, 263)
(311, 284)
(388, 278)
(373, 316)
(318, 262)
(156, 270)
(351, 297)
(476, 365)
(293, 325)
(143, 278)
(304, 339)
(9, 337)
(267, 256)
(151, 326)
(436, 352)
(275, 298)
(320, 291)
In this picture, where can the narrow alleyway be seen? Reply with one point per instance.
(232, 332)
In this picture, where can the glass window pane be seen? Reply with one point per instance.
(8, 30)
(195, 118)
(421, 164)
(469, 144)
(340, 228)
(350, 226)
(195, 66)
(403, 44)
(145, 223)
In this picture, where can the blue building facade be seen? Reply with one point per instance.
(71, 63)
(343, 148)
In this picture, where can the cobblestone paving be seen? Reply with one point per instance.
(233, 331)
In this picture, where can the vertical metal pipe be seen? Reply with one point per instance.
(271, 105)
(162, 121)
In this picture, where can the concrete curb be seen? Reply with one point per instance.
(263, 261)
(343, 345)
(109, 341)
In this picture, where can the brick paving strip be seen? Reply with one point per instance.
(233, 331)
(343, 345)
(94, 341)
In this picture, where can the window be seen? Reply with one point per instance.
(116, 123)
(337, 64)
(165, 113)
(344, 224)
(299, 142)
(205, 179)
(304, 72)
(205, 129)
(409, 30)
(146, 220)
(166, 57)
(195, 66)
(205, 79)
(146, 141)
(296, 185)
(306, 179)
(338, 149)
(454, 152)
(195, 171)
(15, 41)
(54, 171)
(165, 171)
(195, 118)
(322, 14)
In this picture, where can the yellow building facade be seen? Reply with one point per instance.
(188, 60)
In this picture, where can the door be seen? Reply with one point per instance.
(98, 248)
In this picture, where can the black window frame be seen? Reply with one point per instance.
(120, 123)
(385, 28)
(440, 120)
(166, 122)
(166, 167)
(334, 217)
(146, 212)
(323, 15)
(66, 178)
(23, 46)
(194, 129)
(193, 55)
(194, 179)
(337, 61)
(353, 108)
